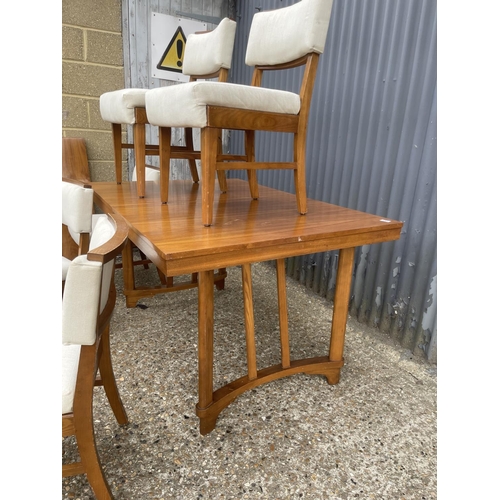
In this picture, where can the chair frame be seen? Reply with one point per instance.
(92, 358)
(250, 121)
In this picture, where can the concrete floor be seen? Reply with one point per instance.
(372, 436)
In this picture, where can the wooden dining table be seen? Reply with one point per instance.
(244, 231)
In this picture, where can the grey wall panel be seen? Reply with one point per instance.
(371, 147)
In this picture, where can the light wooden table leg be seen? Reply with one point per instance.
(283, 313)
(246, 271)
(340, 309)
(205, 351)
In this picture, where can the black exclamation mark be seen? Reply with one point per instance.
(179, 53)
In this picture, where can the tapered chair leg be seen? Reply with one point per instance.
(116, 130)
(109, 381)
(165, 152)
(140, 157)
(208, 164)
(84, 429)
(300, 173)
(221, 174)
(250, 153)
(188, 134)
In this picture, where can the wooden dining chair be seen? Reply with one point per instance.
(279, 39)
(207, 55)
(87, 306)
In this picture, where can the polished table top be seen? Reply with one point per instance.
(243, 231)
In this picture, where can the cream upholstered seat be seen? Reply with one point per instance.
(206, 55)
(278, 39)
(77, 206)
(87, 305)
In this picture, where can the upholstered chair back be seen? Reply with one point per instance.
(283, 35)
(77, 205)
(206, 53)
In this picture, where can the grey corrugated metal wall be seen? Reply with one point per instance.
(371, 147)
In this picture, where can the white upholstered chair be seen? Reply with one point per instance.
(87, 305)
(279, 39)
(77, 206)
(206, 55)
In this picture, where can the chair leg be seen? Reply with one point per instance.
(109, 380)
(140, 157)
(165, 152)
(85, 440)
(300, 172)
(208, 164)
(250, 153)
(221, 174)
(116, 130)
(188, 134)
(84, 428)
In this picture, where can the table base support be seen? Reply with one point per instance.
(132, 296)
(223, 396)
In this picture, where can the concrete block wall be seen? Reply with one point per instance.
(92, 63)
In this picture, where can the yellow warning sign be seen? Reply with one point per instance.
(172, 58)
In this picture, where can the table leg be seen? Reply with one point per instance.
(212, 403)
(205, 351)
(246, 271)
(340, 309)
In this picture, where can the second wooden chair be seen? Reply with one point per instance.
(206, 56)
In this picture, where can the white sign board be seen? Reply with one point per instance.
(168, 41)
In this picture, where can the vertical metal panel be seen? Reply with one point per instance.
(372, 147)
(136, 18)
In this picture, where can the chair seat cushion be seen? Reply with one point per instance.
(70, 360)
(118, 106)
(184, 105)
